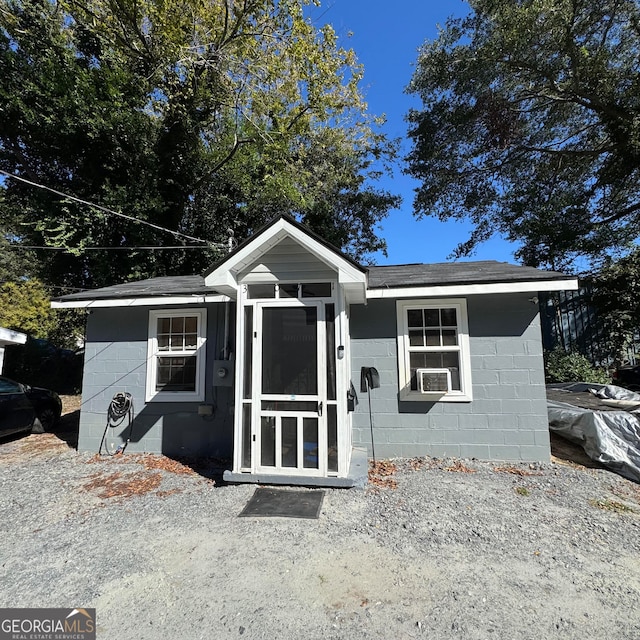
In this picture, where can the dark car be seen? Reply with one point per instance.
(24, 408)
(627, 376)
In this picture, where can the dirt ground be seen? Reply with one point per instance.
(431, 549)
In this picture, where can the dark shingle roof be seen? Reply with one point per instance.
(166, 286)
(383, 277)
(450, 273)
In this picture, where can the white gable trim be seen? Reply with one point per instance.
(224, 278)
(160, 301)
(474, 289)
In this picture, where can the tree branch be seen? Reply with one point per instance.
(298, 116)
(568, 152)
(618, 215)
(234, 149)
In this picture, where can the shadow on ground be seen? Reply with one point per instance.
(565, 451)
(68, 427)
(562, 450)
(209, 468)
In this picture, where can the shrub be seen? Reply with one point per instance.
(571, 366)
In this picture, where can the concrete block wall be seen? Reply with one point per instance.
(115, 360)
(507, 418)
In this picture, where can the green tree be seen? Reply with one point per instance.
(14, 264)
(616, 298)
(530, 126)
(195, 115)
(25, 300)
(25, 306)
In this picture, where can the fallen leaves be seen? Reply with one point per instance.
(125, 483)
(119, 485)
(148, 461)
(382, 468)
(383, 483)
(459, 467)
(37, 443)
(33, 446)
(517, 471)
(416, 464)
(380, 473)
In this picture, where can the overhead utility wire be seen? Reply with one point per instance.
(49, 286)
(109, 211)
(157, 248)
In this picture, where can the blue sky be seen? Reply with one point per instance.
(386, 37)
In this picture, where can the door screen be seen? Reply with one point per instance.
(290, 350)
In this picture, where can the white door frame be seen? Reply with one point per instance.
(343, 376)
(319, 398)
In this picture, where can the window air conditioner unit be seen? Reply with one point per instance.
(434, 380)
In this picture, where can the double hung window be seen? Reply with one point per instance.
(175, 362)
(433, 350)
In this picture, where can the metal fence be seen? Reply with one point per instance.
(569, 320)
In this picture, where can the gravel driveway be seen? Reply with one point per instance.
(442, 549)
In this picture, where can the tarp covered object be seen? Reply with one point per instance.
(611, 438)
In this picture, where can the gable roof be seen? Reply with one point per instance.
(360, 283)
(294, 224)
(223, 276)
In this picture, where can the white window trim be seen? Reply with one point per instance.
(152, 354)
(404, 378)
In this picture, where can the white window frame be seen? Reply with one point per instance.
(404, 375)
(153, 354)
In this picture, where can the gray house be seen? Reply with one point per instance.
(261, 360)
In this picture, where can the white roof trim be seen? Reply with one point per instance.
(159, 301)
(279, 230)
(9, 336)
(391, 293)
(570, 284)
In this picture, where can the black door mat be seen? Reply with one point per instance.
(283, 503)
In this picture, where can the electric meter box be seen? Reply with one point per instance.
(223, 373)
